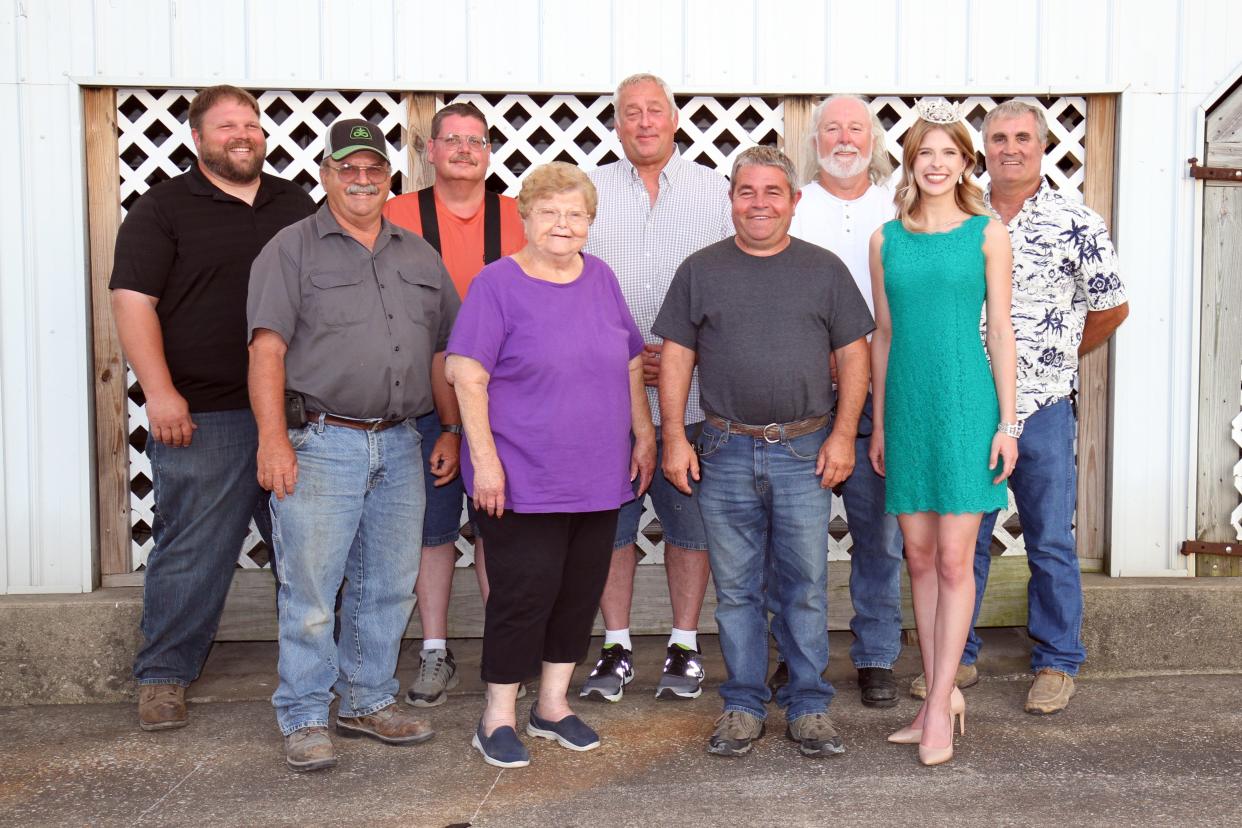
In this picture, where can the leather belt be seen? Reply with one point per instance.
(772, 432)
(360, 425)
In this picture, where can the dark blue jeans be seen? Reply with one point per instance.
(205, 495)
(1044, 484)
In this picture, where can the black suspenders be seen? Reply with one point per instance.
(491, 223)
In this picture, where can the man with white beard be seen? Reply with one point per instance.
(840, 209)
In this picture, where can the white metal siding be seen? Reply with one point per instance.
(1164, 56)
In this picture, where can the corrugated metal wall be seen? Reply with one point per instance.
(1164, 56)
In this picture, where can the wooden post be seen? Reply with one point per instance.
(421, 108)
(103, 200)
(1094, 398)
(797, 113)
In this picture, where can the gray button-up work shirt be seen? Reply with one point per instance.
(361, 325)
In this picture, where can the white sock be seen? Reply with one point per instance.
(435, 644)
(621, 637)
(686, 638)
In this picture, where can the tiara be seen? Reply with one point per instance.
(938, 111)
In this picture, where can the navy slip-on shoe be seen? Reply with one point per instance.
(570, 732)
(502, 749)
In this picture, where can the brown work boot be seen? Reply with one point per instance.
(967, 675)
(1050, 692)
(309, 749)
(161, 706)
(392, 726)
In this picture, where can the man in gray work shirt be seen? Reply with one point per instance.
(762, 313)
(345, 314)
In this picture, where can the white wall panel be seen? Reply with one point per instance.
(431, 50)
(46, 411)
(55, 39)
(131, 37)
(357, 37)
(1152, 366)
(504, 44)
(639, 46)
(12, 33)
(932, 52)
(1078, 42)
(284, 42)
(720, 45)
(790, 46)
(1148, 47)
(1003, 50)
(209, 42)
(861, 46)
(1209, 31)
(572, 49)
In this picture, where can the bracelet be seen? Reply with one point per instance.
(1011, 429)
(452, 428)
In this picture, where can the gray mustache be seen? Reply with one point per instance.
(362, 189)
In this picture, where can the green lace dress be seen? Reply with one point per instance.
(940, 408)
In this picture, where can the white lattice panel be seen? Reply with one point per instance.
(527, 130)
(1236, 516)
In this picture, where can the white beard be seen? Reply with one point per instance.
(844, 166)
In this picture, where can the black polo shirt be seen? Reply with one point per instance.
(190, 244)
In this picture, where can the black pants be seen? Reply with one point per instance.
(546, 572)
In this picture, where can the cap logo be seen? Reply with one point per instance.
(360, 132)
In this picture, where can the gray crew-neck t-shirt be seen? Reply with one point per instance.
(763, 328)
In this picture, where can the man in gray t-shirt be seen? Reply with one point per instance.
(761, 313)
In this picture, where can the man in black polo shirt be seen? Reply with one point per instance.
(179, 284)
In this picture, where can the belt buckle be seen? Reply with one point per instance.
(768, 439)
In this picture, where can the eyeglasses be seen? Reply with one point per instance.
(453, 140)
(573, 218)
(350, 173)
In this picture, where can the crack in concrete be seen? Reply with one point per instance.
(169, 792)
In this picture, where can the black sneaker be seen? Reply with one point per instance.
(612, 672)
(683, 674)
(877, 686)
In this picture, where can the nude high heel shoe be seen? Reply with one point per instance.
(913, 735)
(937, 756)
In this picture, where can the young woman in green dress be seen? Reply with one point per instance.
(945, 421)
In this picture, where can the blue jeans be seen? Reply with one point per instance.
(757, 496)
(356, 515)
(875, 560)
(205, 495)
(1044, 484)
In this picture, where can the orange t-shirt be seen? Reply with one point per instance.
(461, 240)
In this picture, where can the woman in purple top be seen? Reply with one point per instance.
(545, 361)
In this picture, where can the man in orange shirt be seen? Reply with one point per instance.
(469, 227)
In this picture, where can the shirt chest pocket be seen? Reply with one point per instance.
(340, 297)
(420, 293)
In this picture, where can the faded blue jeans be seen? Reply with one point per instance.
(356, 515)
(205, 495)
(1044, 483)
(875, 560)
(755, 496)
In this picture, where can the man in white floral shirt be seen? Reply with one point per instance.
(1067, 300)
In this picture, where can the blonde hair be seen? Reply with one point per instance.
(968, 194)
(553, 179)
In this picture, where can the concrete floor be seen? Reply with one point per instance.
(1129, 751)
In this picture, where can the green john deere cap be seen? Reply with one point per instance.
(348, 135)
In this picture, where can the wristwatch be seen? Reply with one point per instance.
(450, 428)
(1011, 429)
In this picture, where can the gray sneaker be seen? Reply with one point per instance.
(734, 733)
(612, 672)
(683, 674)
(815, 734)
(437, 674)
